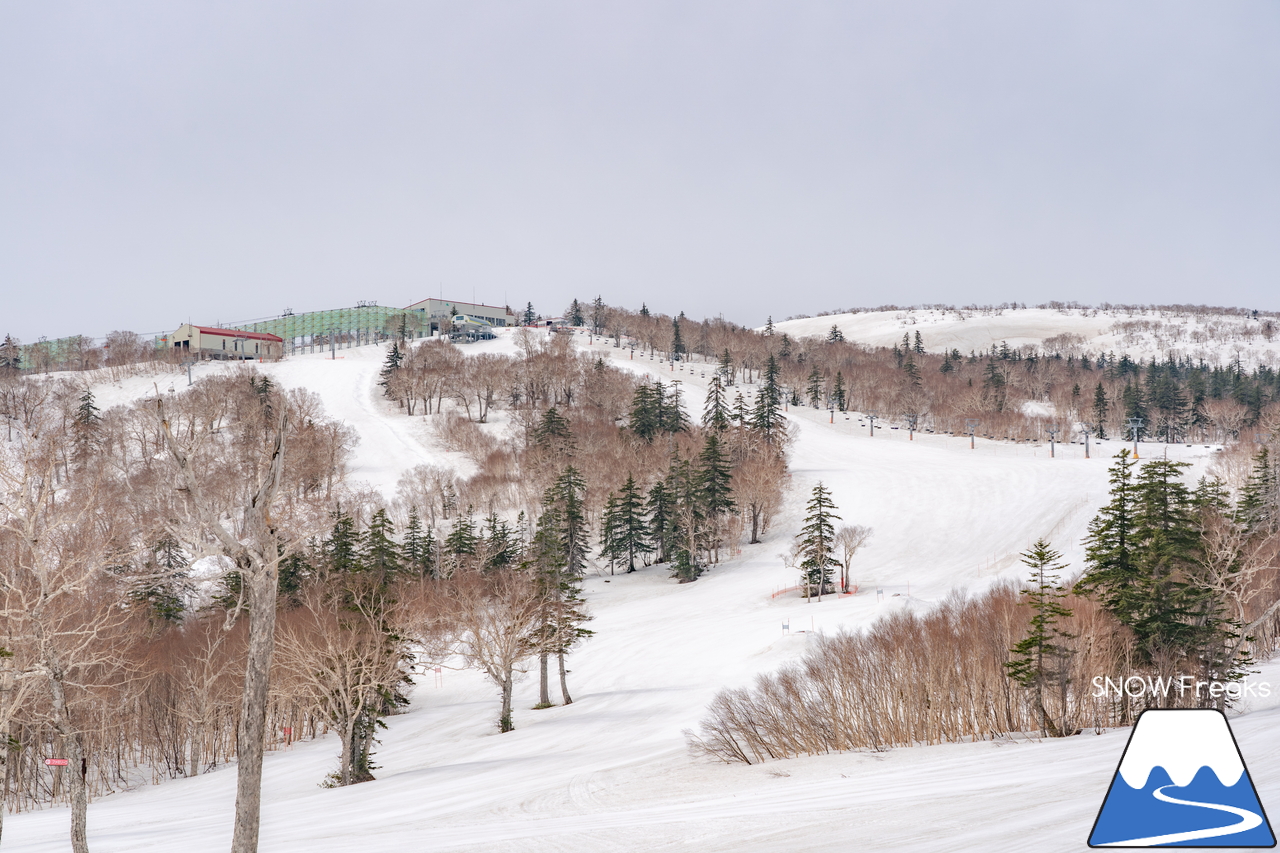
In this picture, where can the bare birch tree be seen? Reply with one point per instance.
(495, 623)
(255, 547)
(55, 592)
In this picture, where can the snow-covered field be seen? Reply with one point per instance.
(612, 771)
(1214, 338)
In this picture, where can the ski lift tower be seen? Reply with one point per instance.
(1086, 428)
(1053, 435)
(971, 426)
(871, 419)
(1135, 424)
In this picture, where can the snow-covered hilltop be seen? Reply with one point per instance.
(1196, 334)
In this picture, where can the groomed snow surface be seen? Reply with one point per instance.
(612, 772)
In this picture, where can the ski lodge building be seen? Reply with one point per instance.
(443, 309)
(214, 343)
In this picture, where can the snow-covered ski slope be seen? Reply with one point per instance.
(612, 772)
(1214, 338)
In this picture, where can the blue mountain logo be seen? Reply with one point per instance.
(1182, 783)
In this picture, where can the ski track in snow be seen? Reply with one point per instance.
(612, 771)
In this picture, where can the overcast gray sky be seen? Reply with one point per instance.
(225, 160)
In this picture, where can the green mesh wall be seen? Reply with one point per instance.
(344, 322)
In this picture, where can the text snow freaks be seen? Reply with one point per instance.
(1182, 686)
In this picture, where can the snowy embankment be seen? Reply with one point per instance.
(612, 772)
(1217, 339)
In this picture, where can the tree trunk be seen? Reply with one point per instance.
(544, 683)
(195, 751)
(346, 759)
(258, 572)
(504, 722)
(76, 763)
(564, 685)
(251, 735)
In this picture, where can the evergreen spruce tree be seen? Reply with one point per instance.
(88, 414)
(835, 335)
(1135, 406)
(689, 518)
(1100, 409)
(725, 370)
(610, 532)
(646, 411)
(530, 316)
(993, 387)
(554, 434)
(633, 526)
(660, 508)
(1258, 509)
(741, 414)
(575, 315)
(715, 475)
(768, 327)
(784, 348)
(379, 552)
(644, 310)
(913, 372)
(501, 546)
(88, 423)
(597, 316)
(715, 415)
(1111, 572)
(164, 583)
(814, 387)
(677, 342)
(294, 570)
(684, 567)
(1144, 559)
(918, 346)
(389, 368)
(561, 546)
(947, 365)
(839, 396)
(419, 546)
(569, 494)
(463, 541)
(766, 418)
(10, 355)
(817, 540)
(1039, 660)
(671, 416)
(1177, 616)
(341, 549)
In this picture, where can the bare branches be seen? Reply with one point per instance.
(494, 623)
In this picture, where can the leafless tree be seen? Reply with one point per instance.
(494, 622)
(58, 539)
(849, 538)
(342, 655)
(255, 547)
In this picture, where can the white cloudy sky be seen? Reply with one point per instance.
(217, 161)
